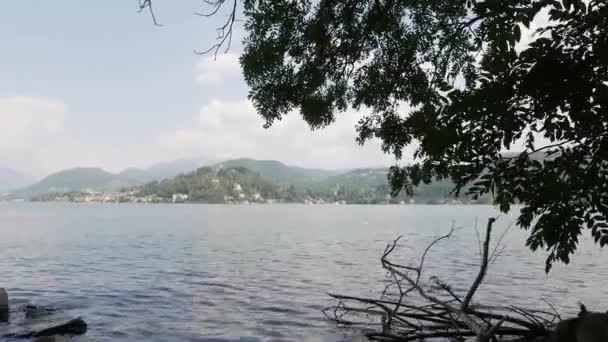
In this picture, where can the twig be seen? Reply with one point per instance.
(148, 4)
(478, 238)
(225, 31)
(533, 319)
(552, 308)
(497, 252)
(484, 266)
(469, 321)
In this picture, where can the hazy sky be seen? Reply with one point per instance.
(94, 83)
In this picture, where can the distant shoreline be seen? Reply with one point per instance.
(240, 182)
(253, 204)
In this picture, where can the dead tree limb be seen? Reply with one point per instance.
(143, 4)
(416, 313)
(225, 31)
(483, 268)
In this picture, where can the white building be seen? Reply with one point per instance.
(180, 198)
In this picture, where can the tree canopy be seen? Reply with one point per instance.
(459, 80)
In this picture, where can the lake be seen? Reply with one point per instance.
(252, 273)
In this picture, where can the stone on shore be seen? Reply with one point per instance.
(33, 311)
(4, 309)
(74, 327)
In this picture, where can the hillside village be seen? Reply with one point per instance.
(133, 196)
(243, 181)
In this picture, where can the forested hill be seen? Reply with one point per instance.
(214, 185)
(223, 184)
(370, 186)
(238, 180)
(281, 173)
(82, 179)
(77, 179)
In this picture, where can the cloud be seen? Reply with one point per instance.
(211, 69)
(36, 138)
(28, 122)
(233, 129)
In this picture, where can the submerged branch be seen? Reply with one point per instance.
(416, 313)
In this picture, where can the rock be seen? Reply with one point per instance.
(586, 327)
(592, 327)
(4, 310)
(33, 311)
(48, 339)
(74, 327)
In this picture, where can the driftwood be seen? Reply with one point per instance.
(75, 326)
(415, 313)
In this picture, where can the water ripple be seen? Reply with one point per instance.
(248, 274)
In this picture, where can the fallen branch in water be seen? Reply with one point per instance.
(416, 314)
(73, 327)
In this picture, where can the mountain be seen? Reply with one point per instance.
(224, 184)
(269, 178)
(12, 179)
(372, 177)
(142, 176)
(163, 170)
(175, 167)
(368, 186)
(213, 185)
(78, 179)
(280, 173)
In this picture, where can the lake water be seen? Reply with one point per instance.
(251, 273)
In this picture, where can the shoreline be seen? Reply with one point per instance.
(258, 204)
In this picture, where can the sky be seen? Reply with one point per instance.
(96, 84)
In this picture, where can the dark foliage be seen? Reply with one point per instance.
(446, 76)
(452, 78)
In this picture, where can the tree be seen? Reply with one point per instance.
(458, 80)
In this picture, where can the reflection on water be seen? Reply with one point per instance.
(249, 273)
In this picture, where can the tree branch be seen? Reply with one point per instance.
(448, 317)
(483, 268)
(143, 4)
(224, 32)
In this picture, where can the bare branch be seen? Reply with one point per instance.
(552, 308)
(428, 248)
(143, 4)
(225, 31)
(499, 247)
(404, 318)
(478, 237)
(483, 268)
(469, 321)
